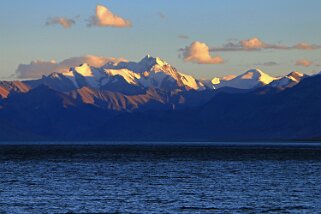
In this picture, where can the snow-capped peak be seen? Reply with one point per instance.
(145, 64)
(150, 61)
(295, 74)
(289, 80)
(257, 74)
(158, 73)
(250, 79)
(256, 78)
(84, 70)
(149, 72)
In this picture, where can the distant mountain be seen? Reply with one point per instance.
(6, 87)
(290, 114)
(132, 78)
(251, 79)
(124, 77)
(56, 81)
(155, 73)
(288, 81)
(50, 114)
(151, 100)
(256, 78)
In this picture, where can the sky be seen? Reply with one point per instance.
(208, 38)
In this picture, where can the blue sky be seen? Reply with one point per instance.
(24, 36)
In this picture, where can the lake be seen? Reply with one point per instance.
(160, 177)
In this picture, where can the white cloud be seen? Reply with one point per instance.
(198, 52)
(105, 18)
(64, 22)
(38, 68)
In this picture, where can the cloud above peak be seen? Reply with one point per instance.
(198, 52)
(306, 46)
(303, 62)
(269, 63)
(105, 18)
(64, 22)
(256, 44)
(253, 43)
(38, 68)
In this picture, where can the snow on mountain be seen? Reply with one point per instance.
(218, 80)
(155, 73)
(251, 79)
(288, 81)
(135, 77)
(129, 76)
(144, 64)
(150, 72)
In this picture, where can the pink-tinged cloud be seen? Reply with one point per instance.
(38, 68)
(253, 43)
(304, 62)
(256, 44)
(307, 46)
(198, 52)
(64, 22)
(105, 18)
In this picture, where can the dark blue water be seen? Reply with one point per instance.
(160, 179)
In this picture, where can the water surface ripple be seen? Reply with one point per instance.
(159, 179)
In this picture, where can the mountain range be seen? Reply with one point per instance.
(152, 100)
